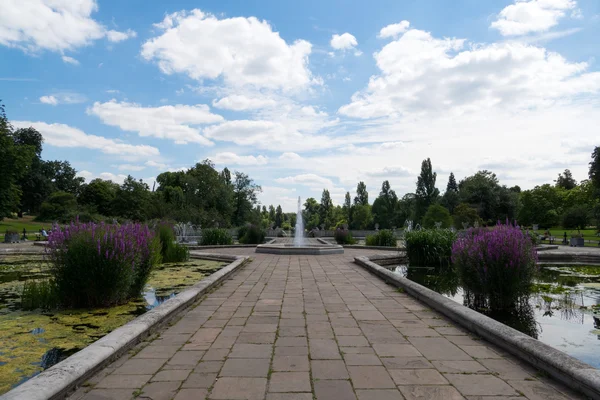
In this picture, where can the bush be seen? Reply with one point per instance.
(496, 266)
(384, 237)
(343, 236)
(97, 265)
(215, 236)
(59, 206)
(251, 234)
(429, 247)
(463, 213)
(436, 213)
(576, 217)
(171, 251)
(39, 294)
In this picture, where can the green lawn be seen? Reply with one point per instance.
(558, 233)
(27, 222)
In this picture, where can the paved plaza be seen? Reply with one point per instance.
(305, 327)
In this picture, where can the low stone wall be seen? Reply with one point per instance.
(566, 369)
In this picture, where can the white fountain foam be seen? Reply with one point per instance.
(299, 234)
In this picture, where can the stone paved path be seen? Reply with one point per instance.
(321, 327)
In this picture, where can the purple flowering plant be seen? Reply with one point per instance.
(101, 264)
(496, 266)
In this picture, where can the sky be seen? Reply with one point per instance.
(311, 95)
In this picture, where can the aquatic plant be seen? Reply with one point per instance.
(39, 294)
(251, 234)
(171, 251)
(384, 237)
(101, 264)
(216, 236)
(496, 266)
(343, 236)
(430, 247)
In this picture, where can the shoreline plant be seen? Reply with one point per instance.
(100, 265)
(171, 251)
(384, 238)
(430, 247)
(215, 236)
(251, 234)
(496, 266)
(343, 236)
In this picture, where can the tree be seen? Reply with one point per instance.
(426, 193)
(131, 199)
(436, 213)
(226, 176)
(311, 213)
(272, 214)
(16, 158)
(362, 217)
(384, 207)
(594, 172)
(565, 180)
(576, 217)
(463, 213)
(63, 176)
(326, 209)
(362, 196)
(278, 217)
(450, 199)
(541, 205)
(100, 195)
(492, 201)
(347, 207)
(245, 193)
(60, 206)
(405, 209)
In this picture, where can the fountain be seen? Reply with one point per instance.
(300, 244)
(187, 233)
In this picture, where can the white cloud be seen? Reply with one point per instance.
(49, 100)
(63, 98)
(389, 171)
(157, 165)
(130, 167)
(285, 197)
(421, 74)
(230, 158)
(238, 102)
(176, 122)
(525, 17)
(290, 156)
(61, 135)
(345, 41)
(87, 175)
(393, 30)
(109, 176)
(54, 25)
(70, 60)
(116, 36)
(307, 180)
(242, 51)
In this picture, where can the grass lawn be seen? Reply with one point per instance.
(27, 222)
(558, 233)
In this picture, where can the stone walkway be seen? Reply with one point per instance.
(321, 327)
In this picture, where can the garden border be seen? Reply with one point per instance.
(570, 371)
(57, 381)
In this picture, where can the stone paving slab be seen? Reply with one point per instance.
(315, 327)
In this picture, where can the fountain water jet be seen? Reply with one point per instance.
(299, 234)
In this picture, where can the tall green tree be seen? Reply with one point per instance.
(436, 213)
(405, 209)
(362, 196)
(492, 201)
(15, 161)
(347, 208)
(426, 193)
(271, 214)
(450, 199)
(362, 217)
(245, 193)
(100, 195)
(384, 207)
(326, 209)
(278, 217)
(566, 180)
(311, 213)
(132, 199)
(594, 172)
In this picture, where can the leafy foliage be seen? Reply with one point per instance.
(171, 251)
(463, 213)
(60, 206)
(436, 213)
(101, 264)
(426, 193)
(215, 236)
(362, 217)
(576, 217)
(251, 234)
(384, 237)
(343, 236)
(496, 266)
(430, 247)
(566, 180)
(384, 207)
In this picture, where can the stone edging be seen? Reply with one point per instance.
(570, 371)
(56, 382)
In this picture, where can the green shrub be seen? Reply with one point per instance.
(384, 238)
(251, 234)
(429, 247)
(39, 294)
(436, 213)
(215, 236)
(343, 236)
(171, 251)
(98, 265)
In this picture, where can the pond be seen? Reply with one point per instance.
(559, 312)
(31, 341)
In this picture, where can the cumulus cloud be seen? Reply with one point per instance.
(532, 16)
(345, 41)
(307, 180)
(177, 123)
(238, 102)
(241, 51)
(290, 156)
(61, 135)
(53, 25)
(393, 30)
(421, 74)
(154, 164)
(229, 158)
(63, 98)
(130, 167)
(49, 100)
(70, 60)
(116, 36)
(390, 171)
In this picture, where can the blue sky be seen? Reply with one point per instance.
(308, 95)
